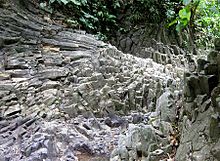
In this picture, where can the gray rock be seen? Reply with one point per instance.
(4, 76)
(214, 127)
(63, 79)
(217, 44)
(54, 73)
(12, 110)
(156, 155)
(211, 69)
(165, 107)
(212, 57)
(138, 142)
(136, 118)
(216, 150)
(6, 86)
(17, 63)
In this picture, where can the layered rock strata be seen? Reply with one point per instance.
(66, 96)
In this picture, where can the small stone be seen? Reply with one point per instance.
(136, 118)
(4, 76)
(5, 86)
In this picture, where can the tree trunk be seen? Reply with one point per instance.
(191, 29)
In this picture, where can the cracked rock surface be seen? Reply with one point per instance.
(66, 96)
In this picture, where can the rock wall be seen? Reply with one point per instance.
(199, 124)
(65, 95)
(134, 39)
(153, 41)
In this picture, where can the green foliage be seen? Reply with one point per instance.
(208, 21)
(202, 16)
(105, 18)
(145, 10)
(184, 16)
(95, 16)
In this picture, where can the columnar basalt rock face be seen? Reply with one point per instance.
(49, 71)
(152, 41)
(199, 128)
(54, 83)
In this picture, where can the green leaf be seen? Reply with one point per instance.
(43, 5)
(84, 2)
(52, 1)
(184, 22)
(173, 22)
(185, 13)
(116, 4)
(100, 14)
(86, 22)
(111, 16)
(64, 2)
(89, 16)
(76, 2)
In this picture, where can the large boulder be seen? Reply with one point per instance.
(166, 108)
(141, 142)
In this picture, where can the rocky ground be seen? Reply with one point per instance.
(66, 96)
